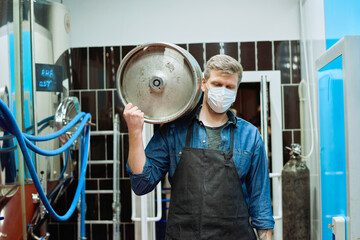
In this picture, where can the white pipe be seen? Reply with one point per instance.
(144, 224)
(273, 175)
(277, 162)
(159, 207)
(133, 208)
(144, 219)
(264, 112)
(303, 40)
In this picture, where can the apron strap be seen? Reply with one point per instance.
(232, 138)
(190, 132)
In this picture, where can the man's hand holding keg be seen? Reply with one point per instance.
(134, 118)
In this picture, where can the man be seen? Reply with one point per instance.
(216, 162)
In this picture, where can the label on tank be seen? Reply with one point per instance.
(49, 77)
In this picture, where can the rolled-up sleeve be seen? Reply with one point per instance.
(258, 188)
(155, 168)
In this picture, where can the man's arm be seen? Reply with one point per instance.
(264, 234)
(134, 118)
(258, 188)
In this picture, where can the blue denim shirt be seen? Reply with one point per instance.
(164, 150)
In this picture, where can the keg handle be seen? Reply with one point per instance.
(157, 84)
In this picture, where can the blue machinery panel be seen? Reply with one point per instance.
(27, 81)
(27, 76)
(341, 18)
(332, 144)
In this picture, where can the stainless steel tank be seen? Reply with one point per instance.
(50, 48)
(45, 41)
(161, 79)
(51, 51)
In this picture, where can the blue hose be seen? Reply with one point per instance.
(58, 133)
(43, 127)
(65, 165)
(45, 123)
(58, 188)
(7, 137)
(10, 123)
(63, 147)
(45, 120)
(8, 149)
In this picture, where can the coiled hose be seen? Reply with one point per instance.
(8, 122)
(42, 124)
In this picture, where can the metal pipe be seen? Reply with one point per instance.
(101, 133)
(33, 74)
(264, 112)
(18, 70)
(79, 202)
(302, 100)
(45, 237)
(116, 179)
(82, 197)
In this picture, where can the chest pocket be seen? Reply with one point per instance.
(242, 160)
(174, 161)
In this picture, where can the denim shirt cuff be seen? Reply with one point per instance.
(263, 223)
(145, 173)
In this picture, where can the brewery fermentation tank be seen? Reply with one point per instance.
(34, 85)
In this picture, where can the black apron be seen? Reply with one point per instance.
(207, 201)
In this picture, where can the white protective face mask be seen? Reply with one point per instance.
(220, 98)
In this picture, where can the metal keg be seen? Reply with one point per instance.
(162, 79)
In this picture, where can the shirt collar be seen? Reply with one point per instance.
(231, 116)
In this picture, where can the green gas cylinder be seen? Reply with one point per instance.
(296, 197)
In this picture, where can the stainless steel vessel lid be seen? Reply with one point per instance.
(65, 112)
(161, 79)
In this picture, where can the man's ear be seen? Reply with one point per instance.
(203, 83)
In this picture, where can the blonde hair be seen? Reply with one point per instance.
(225, 64)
